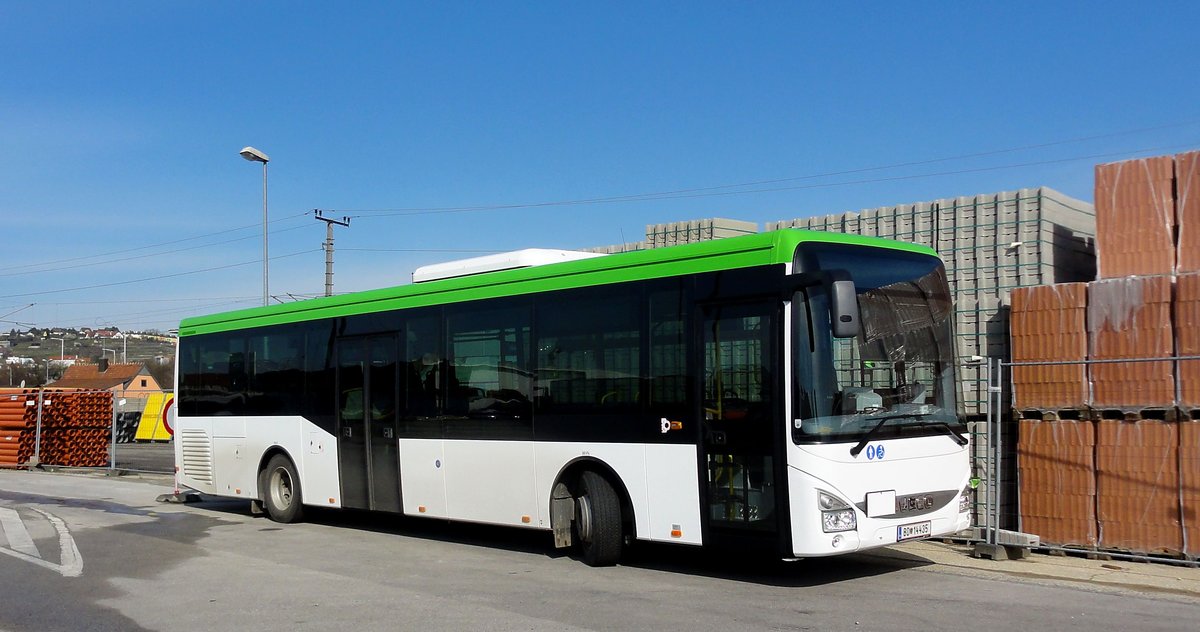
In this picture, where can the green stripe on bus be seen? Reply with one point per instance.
(720, 254)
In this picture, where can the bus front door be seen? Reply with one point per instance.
(368, 447)
(738, 437)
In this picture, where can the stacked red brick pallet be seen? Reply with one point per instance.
(17, 425)
(1108, 449)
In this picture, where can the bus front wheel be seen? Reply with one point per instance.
(280, 485)
(598, 520)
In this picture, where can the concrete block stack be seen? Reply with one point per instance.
(1142, 312)
(675, 233)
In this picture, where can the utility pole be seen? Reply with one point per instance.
(328, 245)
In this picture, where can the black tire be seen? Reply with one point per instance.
(280, 488)
(598, 521)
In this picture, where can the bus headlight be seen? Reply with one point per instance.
(836, 515)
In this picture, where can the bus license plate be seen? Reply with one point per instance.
(912, 531)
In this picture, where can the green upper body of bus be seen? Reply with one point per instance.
(895, 377)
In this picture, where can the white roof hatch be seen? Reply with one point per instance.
(492, 263)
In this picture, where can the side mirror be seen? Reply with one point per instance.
(843, 305)
(843, 298)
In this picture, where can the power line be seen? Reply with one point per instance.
(158, 245)
(151, 300)
(683, 193)
(206, 307)
(154, 278)
(419, 250)
(947, 173)
(708, 192)
(145, 256)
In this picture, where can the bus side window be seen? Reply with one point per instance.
(423, 376)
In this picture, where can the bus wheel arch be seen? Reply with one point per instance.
(279, 488)
(590, 508)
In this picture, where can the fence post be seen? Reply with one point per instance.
(994, 394)
(987, 437)
(112, 436)
(37, 435)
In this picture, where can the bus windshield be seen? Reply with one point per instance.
(896, 378)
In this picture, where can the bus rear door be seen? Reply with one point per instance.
(368, 446)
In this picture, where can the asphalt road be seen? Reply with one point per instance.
(96, 553)
(145, 457)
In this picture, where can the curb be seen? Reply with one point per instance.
(1137, 576)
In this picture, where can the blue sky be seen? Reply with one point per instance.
(125, 201)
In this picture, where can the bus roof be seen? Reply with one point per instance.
(708, 256)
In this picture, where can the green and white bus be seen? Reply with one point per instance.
(792, 392)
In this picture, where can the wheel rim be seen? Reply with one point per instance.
(585, 518)
(281, 488)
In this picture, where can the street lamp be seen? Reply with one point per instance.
(62, 355)
(254, 155)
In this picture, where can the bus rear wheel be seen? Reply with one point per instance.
(598, 520)
(280, 485)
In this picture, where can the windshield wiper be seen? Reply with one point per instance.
(945, 427)
(858, 447)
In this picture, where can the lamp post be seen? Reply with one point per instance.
(254, 155)
(62, 355)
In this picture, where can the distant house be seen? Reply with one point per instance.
(63, 361)
(123, 380)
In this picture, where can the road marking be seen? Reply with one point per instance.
(70, 562)
(18, 536)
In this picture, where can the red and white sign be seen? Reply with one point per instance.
(168, 416)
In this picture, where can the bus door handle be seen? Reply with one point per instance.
(389, 433)
(347, 431)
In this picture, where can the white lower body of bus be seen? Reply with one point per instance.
(909, 488)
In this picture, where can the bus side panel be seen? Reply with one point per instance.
(627, 460)
(491, 481)
(673, 490)
(317, 457)
(422, 477)
(234, 470)
(193, 453)
(661, 481)
(312, 450)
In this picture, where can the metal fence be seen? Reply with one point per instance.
(48, 427)
(1096, 465)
